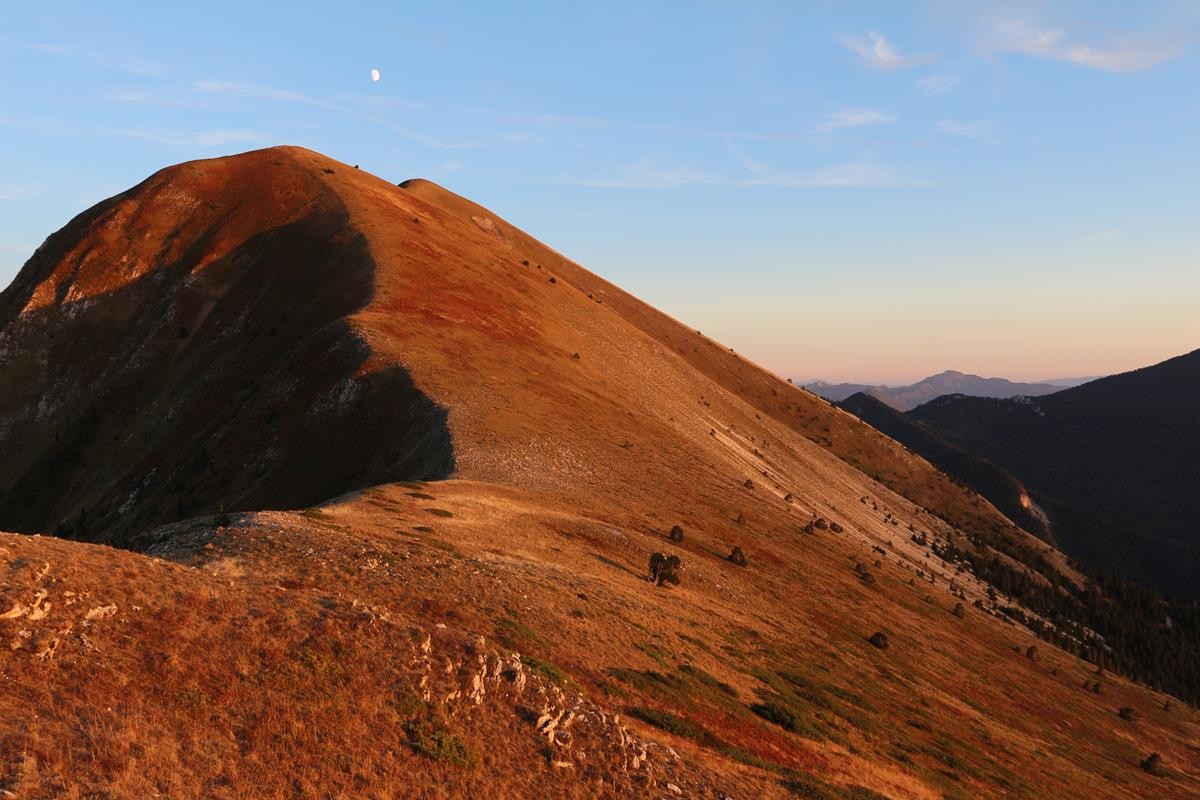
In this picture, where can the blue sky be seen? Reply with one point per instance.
(846, 191)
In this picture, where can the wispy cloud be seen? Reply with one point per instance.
(381, 101)
(12, 191)
(260, 92)
(878, 53)
(522, 137)
(175, 138)
(980, 131)
(1120, 54)
(170, 98)
(134, 97)
(214, 138)
(95, 58)
(553, 120)
(852, 118)
(647, 174)
(938, 83)
(860, 173)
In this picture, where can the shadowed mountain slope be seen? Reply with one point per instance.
(1001, 488)
(1112, 462)
(442, 457)
(187, 346)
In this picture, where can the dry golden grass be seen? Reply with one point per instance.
(274, 658)
(282, 656)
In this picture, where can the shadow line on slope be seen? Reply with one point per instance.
(236, 386)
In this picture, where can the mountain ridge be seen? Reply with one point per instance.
(405, 473)
(906, 398)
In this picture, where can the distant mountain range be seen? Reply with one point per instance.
(906, 398)
(1107, 470)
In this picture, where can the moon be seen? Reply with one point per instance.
(375, 75)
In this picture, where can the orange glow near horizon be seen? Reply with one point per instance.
(844, 333)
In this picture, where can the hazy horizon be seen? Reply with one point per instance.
(1004, 189)
(1061, 379)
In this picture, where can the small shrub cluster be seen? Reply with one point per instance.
(547, 670)
(736, 556)
(864, 574)
(664, 569)
(776, 714)
(665, 720)
(676, 534)
(429, 737)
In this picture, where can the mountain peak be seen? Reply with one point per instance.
(906, 398)
(188, 216)
(406, 468)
